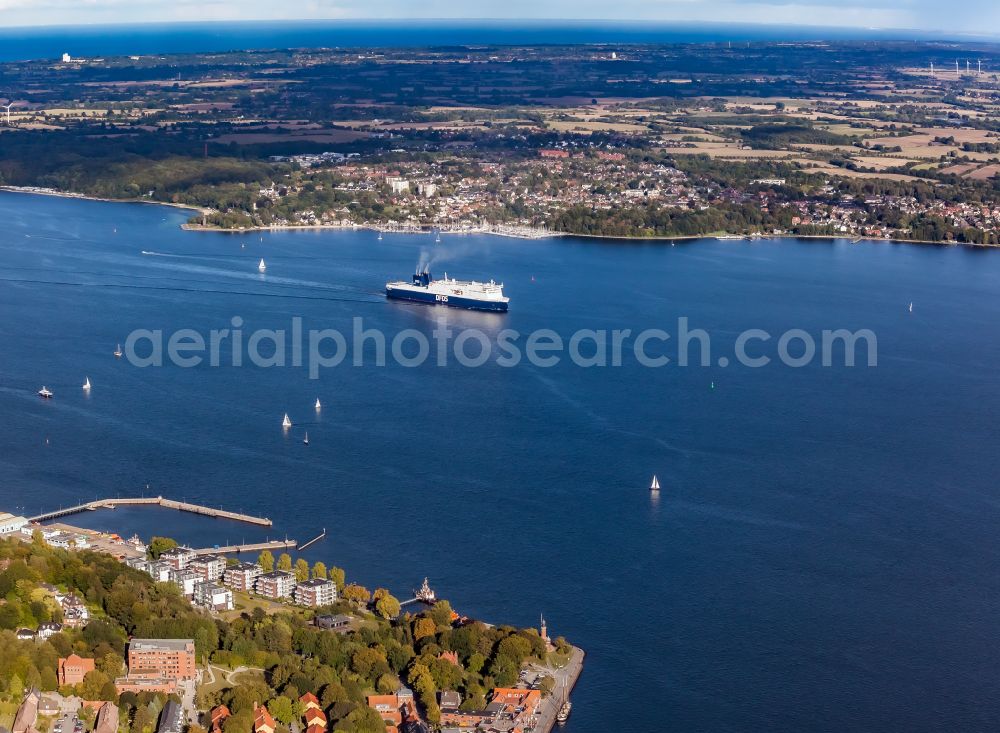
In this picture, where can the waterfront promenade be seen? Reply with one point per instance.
(565, 680)
(251, 547)
(152, 500)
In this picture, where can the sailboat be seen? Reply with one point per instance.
(118, 351)
(287, 422)
(86, 384)
(911, 306)
(305, 440)
(438, 239)
(318, 405)
(261, 267)
(655, 486)
(380, 236)
(45, 393)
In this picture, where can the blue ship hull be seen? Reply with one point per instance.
(453, 301)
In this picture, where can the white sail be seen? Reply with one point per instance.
(655, 486)
(118, 351)
(262, 267)
(287, 422)
(306, 439)
(911, 306)
(318, 405)
(86, 383)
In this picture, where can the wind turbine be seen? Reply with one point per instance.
(7, 108)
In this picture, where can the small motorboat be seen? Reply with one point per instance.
(45, 393)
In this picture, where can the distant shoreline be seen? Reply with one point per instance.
(40, 191)
(546, 234)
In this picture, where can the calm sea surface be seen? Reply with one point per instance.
(824, 553)
(157, 38)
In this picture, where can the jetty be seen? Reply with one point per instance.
(424, 595)
(317, 538)
(182, 506)
(248, 547)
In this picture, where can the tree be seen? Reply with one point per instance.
(441, 613)
(319, 570)
(387, 606)
(93, 684)
(365, 720)
(387, 684)
(476, 663)
(282, 710)
(338, 576)
(159, 545)
(424, 627)
(266, 561)
(144, 720)
(111, 665)
(356, 593)
(284, 561)
(301, 570)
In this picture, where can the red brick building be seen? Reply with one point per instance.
(168, 658)
(72, 669)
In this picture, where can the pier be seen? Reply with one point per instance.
(424, 595)
(250, 547)
(317, 538)
(182, 506)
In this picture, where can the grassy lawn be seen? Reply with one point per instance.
(245, 603)
(556, 660)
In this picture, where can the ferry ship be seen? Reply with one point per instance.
(449, 291)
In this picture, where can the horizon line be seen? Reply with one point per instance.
(512, 22)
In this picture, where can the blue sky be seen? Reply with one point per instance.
(973, 16)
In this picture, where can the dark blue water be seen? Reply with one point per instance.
(155, 38)
(824, 552)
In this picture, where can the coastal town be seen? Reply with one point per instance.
(652, 141)
(427, 198)
(178, 684)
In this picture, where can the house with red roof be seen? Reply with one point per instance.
(262, 720)
(218, 717)
(387, 706)
(315, 717)
(309, 700)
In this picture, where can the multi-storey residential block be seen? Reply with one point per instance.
(316, 592)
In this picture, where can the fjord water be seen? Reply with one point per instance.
(823, 553)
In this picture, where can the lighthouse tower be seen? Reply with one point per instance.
(543, 631)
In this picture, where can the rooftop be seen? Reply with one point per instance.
(315, 583)
(160, 645)
(277, 574)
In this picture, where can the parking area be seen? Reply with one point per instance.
(67, 724)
